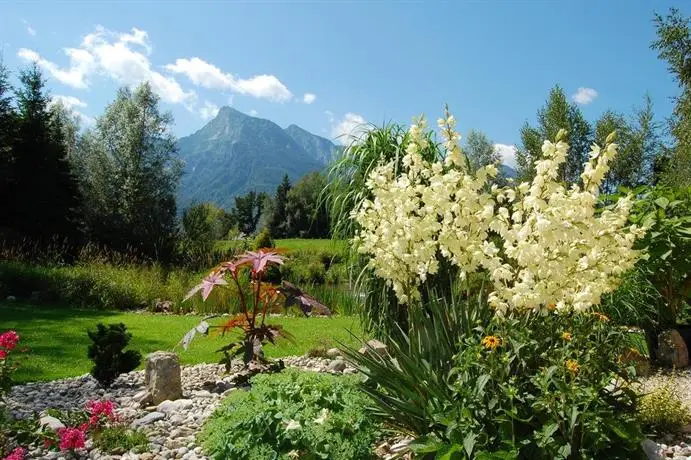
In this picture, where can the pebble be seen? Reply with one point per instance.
(171, 426)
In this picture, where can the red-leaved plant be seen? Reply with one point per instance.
(256, 300)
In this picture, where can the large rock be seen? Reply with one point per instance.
(162, 377)
(375, 346)
(672, 349)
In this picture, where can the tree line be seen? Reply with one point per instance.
(115, 183)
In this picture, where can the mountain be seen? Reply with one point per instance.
(319, 148)
(508, 172)
(235, 153)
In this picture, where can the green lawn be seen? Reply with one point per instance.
(57, 340)
(325, 245)
(313, 245)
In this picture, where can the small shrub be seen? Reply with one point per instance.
(319, 350)
(263, 240)
(293, 415)
(120, 437)
(108, 353)
(662, 410)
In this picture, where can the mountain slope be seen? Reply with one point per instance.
(235, 153)
(317, 147)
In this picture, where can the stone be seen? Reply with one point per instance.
(672, 349)
(337, 365)
(149, 419)
(51, 422)
(376, 346)
(652, 450)
(11, 298)
(162, 376)
(174, 406)
(333, 353)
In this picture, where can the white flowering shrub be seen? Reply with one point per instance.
(543, 245)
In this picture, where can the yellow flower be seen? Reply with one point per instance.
(491, 342)
(572, 366)
(601, 317)
(566, 335)
(551, 306)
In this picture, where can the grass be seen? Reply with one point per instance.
(57, 340)
(330, 246)
(295, 244)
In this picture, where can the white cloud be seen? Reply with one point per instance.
(254, 113)
(330, 115)
(208, 110)
(81, 64)
(584, 96)
(207, 75)
(508, 154)
(351, 125)
(113, 55)
(30, 30)
(308, 98)
(69, 101)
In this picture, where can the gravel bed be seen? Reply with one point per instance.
(171, 426)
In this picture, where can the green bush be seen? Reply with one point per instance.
(292, 415)
(662, 410)
(118, 438)
(530, 386)
(107, 353)
(263, 240)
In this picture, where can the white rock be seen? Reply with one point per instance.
(162, 376)
(51, 422)
(148, 419)
(174, 406)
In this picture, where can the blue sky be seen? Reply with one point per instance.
(326, 65)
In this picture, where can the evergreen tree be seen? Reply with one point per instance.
(45, 195)
(555, 115)
(8, 123)
(278, 222)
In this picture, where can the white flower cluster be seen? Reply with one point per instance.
(544, 246)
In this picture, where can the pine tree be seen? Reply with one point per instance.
(8, 123)
(46, 194)
(278, 224)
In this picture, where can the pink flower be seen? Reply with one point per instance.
(101, 408)
(3, 354)
(16, 454)
(207, 284)
(259, 260)
(71, 438)
(9, 340)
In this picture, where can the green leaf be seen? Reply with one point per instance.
(426, 445)
(451, 454)
(469, 443)
(481, 382)
(662, 202)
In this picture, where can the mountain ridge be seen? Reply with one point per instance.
(235, 153)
